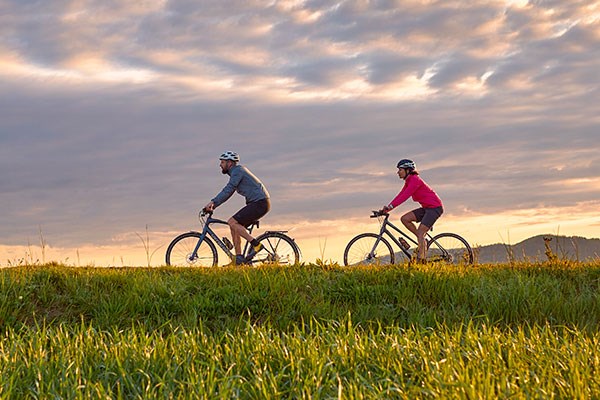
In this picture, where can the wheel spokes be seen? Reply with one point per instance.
(449, 249)
(276, 250)
(182, 253)
(367, 250)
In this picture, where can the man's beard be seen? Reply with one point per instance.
(224, 171)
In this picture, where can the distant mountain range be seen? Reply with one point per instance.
(535, 248)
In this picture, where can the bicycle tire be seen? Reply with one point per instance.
(179, 251)
(278, 249)
(450, 248)
(358, 251)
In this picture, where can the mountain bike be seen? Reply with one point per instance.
(374, 248)
(196, 249)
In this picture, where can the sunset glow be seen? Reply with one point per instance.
(113, 117)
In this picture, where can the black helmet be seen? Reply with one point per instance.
(406, 163)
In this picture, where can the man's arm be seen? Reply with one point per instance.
(229, 189)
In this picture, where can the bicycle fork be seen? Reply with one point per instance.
(194, 254)
(372, 253)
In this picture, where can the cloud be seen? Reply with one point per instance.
(305, 50)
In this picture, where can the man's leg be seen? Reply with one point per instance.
(250, 213)
(237, 232)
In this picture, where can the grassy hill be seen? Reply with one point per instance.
(313, 331)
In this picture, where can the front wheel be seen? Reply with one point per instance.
(180, 251)
(368, 249)
(277, 249)
(450, 248)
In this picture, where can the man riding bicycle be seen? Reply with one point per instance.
(257, 203)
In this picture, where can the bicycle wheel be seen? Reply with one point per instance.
(362, 251)
(179, 252)
(277, 249)
(450, 248)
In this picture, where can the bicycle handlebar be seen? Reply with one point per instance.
(204, 212)
(378, 213)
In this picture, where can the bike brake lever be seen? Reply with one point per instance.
(377, 214)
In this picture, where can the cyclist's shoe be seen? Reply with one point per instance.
(416, 260)
(253, 251)
(240, 260)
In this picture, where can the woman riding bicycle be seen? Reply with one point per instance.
(429, 212)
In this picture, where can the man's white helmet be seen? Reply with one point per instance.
(230, 155)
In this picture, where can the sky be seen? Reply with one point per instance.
(113, 115)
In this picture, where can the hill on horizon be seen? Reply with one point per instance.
(575, 248)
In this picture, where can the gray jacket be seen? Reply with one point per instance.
(245, 183)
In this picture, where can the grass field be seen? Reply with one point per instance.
(491, 331)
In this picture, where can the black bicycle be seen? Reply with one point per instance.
(196, 249)
(374, 248)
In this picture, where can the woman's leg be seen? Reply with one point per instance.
(422, 249)
(408, 220)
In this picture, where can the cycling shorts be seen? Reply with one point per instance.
(252, 212)
(428, 216)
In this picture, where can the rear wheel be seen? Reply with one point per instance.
(277, 249)
(362, 251)
(449, 248)
(179, 252)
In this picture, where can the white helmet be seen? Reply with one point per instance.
(230, 155)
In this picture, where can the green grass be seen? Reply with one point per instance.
(522, 331)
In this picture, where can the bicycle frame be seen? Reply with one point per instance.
(383, 231)
(197, 247)
(208, 231)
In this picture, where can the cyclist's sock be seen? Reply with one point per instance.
(254, 249)
(254, 242)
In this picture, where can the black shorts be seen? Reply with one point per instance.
(428, 216)
(252, 212)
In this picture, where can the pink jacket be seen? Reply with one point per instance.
(421, 193)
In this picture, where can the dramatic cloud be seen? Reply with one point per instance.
(112, 113)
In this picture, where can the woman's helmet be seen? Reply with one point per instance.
(406, 163)
(230, 155)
